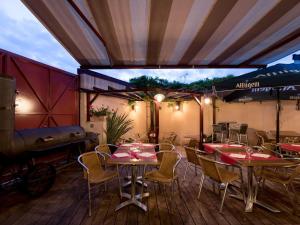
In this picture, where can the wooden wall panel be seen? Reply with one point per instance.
(47, 96)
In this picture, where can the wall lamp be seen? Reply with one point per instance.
(207, 100)
(177, 106)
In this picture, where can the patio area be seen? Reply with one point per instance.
(93, 146)
(66, 203)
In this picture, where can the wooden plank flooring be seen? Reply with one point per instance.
(66, 203)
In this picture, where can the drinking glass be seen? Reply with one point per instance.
(249, 151)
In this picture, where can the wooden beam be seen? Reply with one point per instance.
(146, 90)
(122, 96)
(213, 66)
(138, 96)
(134, 94)
(94, 98)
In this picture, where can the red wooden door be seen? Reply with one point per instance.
(46, 96)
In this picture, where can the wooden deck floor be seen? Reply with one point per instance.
(66, 203)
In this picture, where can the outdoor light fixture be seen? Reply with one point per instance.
(177, 106)
(133, 107)
(207, 100)
(159, 97)
(23, 105)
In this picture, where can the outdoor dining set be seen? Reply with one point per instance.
(134, 156)
(234, 167)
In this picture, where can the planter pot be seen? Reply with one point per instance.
(98, 118)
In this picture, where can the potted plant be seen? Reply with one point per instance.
(101, 111)
(116, 126)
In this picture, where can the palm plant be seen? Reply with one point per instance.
(116, 126)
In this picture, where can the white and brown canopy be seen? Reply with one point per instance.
(172, 33)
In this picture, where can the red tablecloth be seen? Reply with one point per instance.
(290, 147)
(135, 151)
(228, 158)
(211, 148)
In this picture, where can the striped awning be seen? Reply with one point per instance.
(172, 33)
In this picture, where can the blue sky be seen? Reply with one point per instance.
(23, 34)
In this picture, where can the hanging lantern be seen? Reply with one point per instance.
(159, 97)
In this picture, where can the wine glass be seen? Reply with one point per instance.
(227, 141)
(249, 151)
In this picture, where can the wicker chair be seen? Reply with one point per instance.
(218, 129)
(233, 131)
(193, 143)
(164, 147)
(263, 138)
(170, 139)
(94, 173)
(283, 178)
(243, 133)
(192, 158)
(211, 170)
(104, 149)
(166, 173)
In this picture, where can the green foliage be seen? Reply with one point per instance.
(150, 82)
(116, 126)
(102, 111)
(207, 83)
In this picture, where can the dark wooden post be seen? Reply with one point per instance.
(278, 108)
(156, 124)
(201, 125)
(198, 100)
(88, 106)
(214, 109)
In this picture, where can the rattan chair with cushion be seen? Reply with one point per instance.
(94, 172)
(162, 147)
(166, 173)
(192, 159)
(212, 169)
(285, 177)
